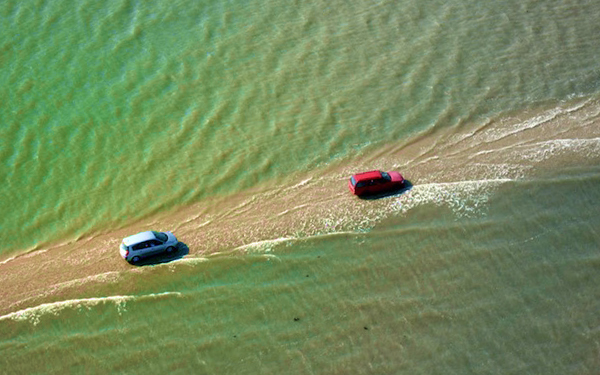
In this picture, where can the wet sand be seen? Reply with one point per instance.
(315, 203)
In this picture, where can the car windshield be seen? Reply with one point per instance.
(353, 181)
(386, 176)
(161, 236)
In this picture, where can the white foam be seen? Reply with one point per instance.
(24, 255)
(106, 277)
(498, 133)
(291, 209)
(8, 260)
(185, 260)
(544, 150)
(301, 183)
(33, 314)
(465, 198)
(264, 246)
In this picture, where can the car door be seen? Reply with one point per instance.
(369, 186)
(156, 246)
(140, 249)
(360, 187)
(382, 185)
(375, 186)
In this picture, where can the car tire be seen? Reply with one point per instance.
(170, 249)
(135, 259)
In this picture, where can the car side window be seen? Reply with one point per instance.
(155, 243)
(361, 184)
(138, 246)
(144, 245)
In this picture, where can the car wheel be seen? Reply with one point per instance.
(135, 259)
(170, 249)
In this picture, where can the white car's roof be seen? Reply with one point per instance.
(140, 237)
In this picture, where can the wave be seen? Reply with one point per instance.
(461, 173)
(34, 314)
(265, 245)
(498, 133)
(465, 198)
(541, 151)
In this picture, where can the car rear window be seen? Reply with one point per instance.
(352, 181)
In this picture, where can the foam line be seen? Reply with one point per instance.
(463, 197)
(534, 122)
(266, 245)
(8, 260)
(33, 314)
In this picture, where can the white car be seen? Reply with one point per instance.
(144, 244)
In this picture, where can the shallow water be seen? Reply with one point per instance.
(236, 125)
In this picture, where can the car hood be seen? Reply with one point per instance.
(396, 177)
(171, 236)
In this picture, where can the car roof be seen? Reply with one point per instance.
(140, 237)
(367, 176)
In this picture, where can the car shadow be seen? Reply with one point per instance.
(405, 187)
(181, 250)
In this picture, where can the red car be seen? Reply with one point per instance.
(375, 182)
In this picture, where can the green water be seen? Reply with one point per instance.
(236, 125)
(113, 112)
(511, 292)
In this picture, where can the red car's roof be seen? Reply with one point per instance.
(367, 176)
